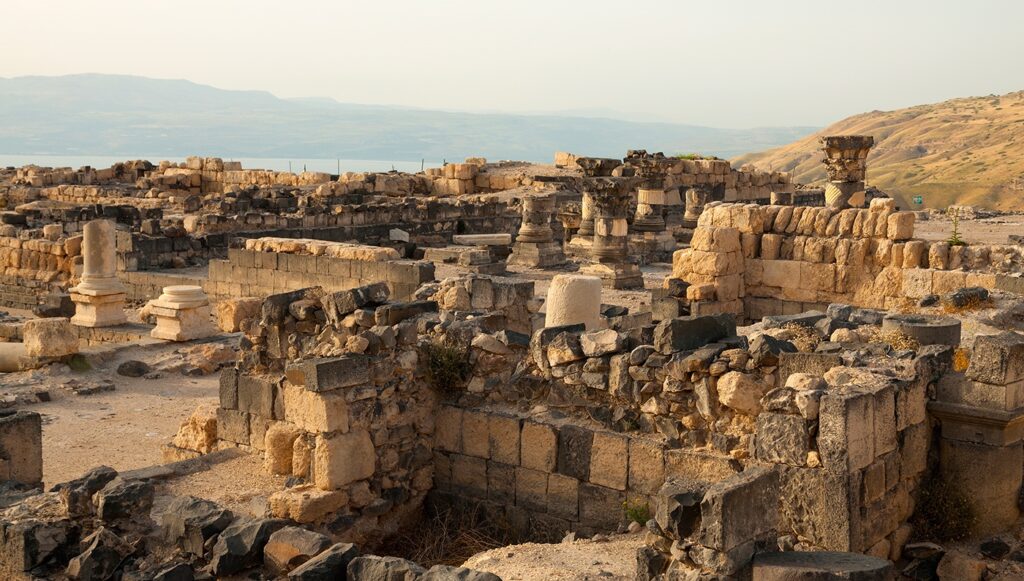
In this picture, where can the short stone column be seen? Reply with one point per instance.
(182, 314)
(610, 249)
(846, 165)
(573, 299)
(535, 245)
(648, 216)
(99, 297)
(696, 198)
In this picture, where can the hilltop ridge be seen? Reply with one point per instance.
(961, 151)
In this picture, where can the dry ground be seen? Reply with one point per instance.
(581, 560)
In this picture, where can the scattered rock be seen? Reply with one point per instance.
(133, 368)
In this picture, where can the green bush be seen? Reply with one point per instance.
(637, 511)
(943, 511)
(448, 365)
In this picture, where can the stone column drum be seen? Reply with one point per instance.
(696, 198)
(648, 216)
(535, 245)
(587, 216)
(99, 297)
(573, 299)
(182, 314)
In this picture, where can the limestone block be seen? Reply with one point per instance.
(531, 489)
(501, 483)
(563, 497)
(901, 226)
(279, 444)
(448, 429)
(600, 507)
(917, 282)
(716, 240)
(608, 460)
(741, 392)
(770, 246)
(475, 434)
(945, 282)
(997, 359)
(938, 255)
(49, 337)
(600, 343)
(469, 475)
(913, 253)
(739, 509)
(306, 504)
(817, 277)
(341, 459)
(781, 273)
(539, 447)
(233, 426)
(782, 439)
(846, 438)
(503, 435)
(230, 313)
(199, 432)
(315, 412)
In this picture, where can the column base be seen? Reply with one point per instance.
(537, 255)
(617, 276)
(99, 310)
(182, 324)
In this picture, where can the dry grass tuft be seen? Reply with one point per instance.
(895, 339)
(961, 359)
(806, 339)
(972, 304)
(450, 537)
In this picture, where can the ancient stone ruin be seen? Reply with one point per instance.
(680, 369)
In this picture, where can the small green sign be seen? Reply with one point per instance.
(918, 200)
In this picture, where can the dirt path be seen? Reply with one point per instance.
(123, 428)
(576, 561)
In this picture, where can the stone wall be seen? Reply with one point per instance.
(765, 260)
(32, 267)
(545, 476)
(273, 265)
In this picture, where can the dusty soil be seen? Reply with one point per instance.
(978, 231)
(123, 428)
(580, 560)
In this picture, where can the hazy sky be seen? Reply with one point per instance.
(707, 62)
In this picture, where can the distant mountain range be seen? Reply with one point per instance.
(132, 116)
(961, 151)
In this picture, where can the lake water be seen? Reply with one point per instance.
(296, 164)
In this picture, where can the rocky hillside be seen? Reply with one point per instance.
(962, 151)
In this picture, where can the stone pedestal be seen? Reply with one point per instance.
(182, 314)
(535, 246)
(574, 299)
(99, 297)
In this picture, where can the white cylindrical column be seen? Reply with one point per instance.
(572, 299)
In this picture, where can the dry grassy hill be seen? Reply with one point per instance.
(962, 151)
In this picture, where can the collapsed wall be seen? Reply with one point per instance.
(765, 260)
(348, 391)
